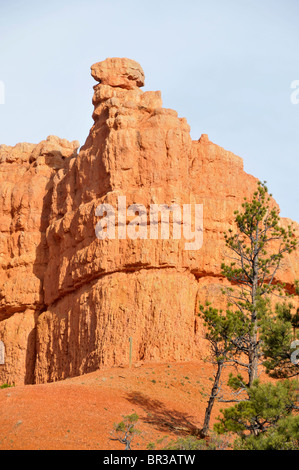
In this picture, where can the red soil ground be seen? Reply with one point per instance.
(79, 413)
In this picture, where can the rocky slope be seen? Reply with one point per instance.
(69, 301)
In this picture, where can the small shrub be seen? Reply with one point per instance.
(125, 430)
(6, 385)
(193, 443)
(150, 446)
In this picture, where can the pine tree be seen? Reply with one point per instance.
(235, 335)
(278, 333)
(222, 331)
(265, 420)
(255, 263)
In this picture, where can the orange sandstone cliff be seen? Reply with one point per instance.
(69, 302)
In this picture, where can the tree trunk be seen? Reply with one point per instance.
(212, 399)
(253, 355)
(253, 363)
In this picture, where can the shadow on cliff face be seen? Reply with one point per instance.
(30, 358)
(40, 264)
(161, 418)
(39, 267)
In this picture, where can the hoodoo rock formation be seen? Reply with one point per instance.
(69, 301)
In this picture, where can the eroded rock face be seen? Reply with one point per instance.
(116, 72)
(26, 184)
(91, 327)
(81, 298)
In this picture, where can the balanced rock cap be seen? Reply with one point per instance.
(118, 72)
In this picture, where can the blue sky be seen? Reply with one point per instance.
(225, 65)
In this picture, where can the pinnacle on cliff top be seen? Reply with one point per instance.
(118, 72)
(204, 138)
